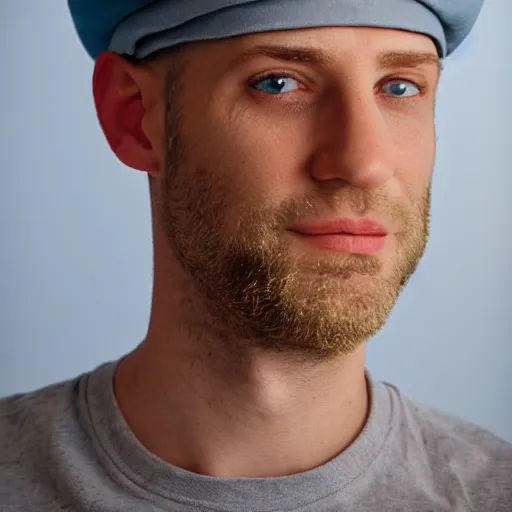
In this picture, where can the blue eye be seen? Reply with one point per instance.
(402, 89)
(275, 84)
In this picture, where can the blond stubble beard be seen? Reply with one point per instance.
(256, 288)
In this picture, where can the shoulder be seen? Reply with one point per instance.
(27, 415)
(458, 454)
(29, 426)
(448, 435)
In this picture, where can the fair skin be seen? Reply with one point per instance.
(276, 387)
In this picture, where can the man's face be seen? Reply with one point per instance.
(272, 160)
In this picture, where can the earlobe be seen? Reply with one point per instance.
(118, 95)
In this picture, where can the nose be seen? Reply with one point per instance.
(356, 144)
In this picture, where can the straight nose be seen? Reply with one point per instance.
(355, 144)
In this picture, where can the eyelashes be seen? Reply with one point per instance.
(281, 84)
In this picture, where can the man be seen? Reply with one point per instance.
(289, 146)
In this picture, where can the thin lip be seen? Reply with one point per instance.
(342, 226)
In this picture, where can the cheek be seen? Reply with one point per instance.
(256, 161)
(414, 149)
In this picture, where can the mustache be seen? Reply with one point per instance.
(346, 199)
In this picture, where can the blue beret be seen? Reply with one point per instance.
(141, 27)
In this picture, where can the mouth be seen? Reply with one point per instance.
(363, 236)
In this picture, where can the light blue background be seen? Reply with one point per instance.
(76, 255)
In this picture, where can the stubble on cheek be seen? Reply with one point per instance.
(248, 276)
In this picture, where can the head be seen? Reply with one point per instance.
(252, 143)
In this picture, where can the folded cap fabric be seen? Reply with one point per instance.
(141, 27)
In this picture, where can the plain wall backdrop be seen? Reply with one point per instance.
(76, 254)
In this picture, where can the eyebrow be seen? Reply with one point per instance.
(385, 60)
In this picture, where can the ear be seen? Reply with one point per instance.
(127, 98)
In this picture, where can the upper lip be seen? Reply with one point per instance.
(340, 226)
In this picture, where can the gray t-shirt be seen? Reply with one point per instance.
(67, 447)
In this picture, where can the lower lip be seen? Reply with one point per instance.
(356, 244)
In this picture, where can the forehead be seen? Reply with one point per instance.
(324, 46)
(337, 38)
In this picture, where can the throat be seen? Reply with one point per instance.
(264, 423)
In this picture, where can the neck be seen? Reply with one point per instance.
(232, 414)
